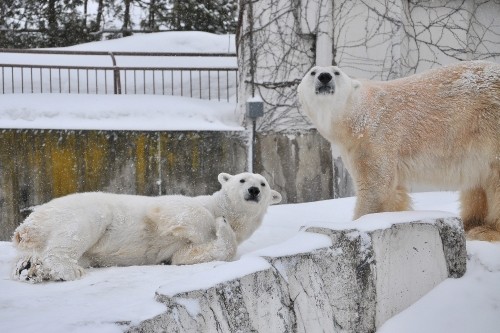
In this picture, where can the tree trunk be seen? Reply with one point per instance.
(152, 12)
(126, 19)
(52, 22)
(100, 11)
(85, 12)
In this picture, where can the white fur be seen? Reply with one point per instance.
(439, 128)
(96, 229)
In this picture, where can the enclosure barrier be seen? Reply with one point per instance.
(219, 83)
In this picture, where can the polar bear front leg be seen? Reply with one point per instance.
(378, 189)
(222, 248)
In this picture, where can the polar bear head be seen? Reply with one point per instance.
(329, 81)
(244, 199)
(324, 93)
(249, 189)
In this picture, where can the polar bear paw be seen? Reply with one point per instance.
(63, 270)
(224, 230)
(34, 270)
(29, 269)
(226, 239)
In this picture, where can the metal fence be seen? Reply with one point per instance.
(219, 83)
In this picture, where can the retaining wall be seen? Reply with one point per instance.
(322, 280)
(38, 165)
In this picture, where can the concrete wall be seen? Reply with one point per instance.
(299, 166)
(39, 165)
(36, 166)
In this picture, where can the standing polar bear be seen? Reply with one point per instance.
(96, 229)
(441, 127)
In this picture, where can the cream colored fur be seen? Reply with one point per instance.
(65, 235)
(441, 127)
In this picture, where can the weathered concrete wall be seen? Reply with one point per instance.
(299, 166)
(39, 165)
(36, 166)
(347, 285)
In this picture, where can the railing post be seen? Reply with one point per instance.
(117, 87)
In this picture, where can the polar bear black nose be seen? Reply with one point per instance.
(325, 77)
(254, 191)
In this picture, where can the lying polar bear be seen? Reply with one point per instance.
(441, 127)
(96, 229)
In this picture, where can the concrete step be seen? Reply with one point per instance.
(328, 278)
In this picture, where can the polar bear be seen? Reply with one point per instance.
(59, 238)
(440, 128)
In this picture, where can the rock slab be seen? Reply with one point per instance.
(354, 285)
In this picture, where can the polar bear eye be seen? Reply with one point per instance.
(313, 73)
(336, 73)
(242, 181)
(262, 184)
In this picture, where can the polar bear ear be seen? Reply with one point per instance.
(275, 197)
(223, 177)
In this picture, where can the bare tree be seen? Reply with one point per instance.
(375, 39)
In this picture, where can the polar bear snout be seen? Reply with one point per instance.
(253, 194)
(324, 78)
(325, 84)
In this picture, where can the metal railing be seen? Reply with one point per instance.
(219, 83)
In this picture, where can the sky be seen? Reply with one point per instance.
(106, 296)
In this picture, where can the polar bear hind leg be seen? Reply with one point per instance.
(49, 251)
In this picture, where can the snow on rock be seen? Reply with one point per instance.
(352, 281)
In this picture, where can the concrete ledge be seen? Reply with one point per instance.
(324, 279)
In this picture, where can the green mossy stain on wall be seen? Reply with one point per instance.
(140, 162)
(195, 151)
(64, 163)
(95, 155)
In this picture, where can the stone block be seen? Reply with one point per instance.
(326, 279)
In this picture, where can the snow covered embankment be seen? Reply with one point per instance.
(323, 279)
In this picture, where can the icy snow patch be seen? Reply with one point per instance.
(222, 273)
(302, 242)
(192, 305)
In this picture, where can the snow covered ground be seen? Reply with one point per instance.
(130, 112)
(125, 295)
(113, 112)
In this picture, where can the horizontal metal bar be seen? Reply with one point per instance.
(118, 53)
(229, 69)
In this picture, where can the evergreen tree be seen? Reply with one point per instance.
(43, 23)
(217, 16)
(56, 23)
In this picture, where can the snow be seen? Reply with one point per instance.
(126, 294)
(228, 271)
(111, 299)
(113, 112)
(175, 42)
(128, 111)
